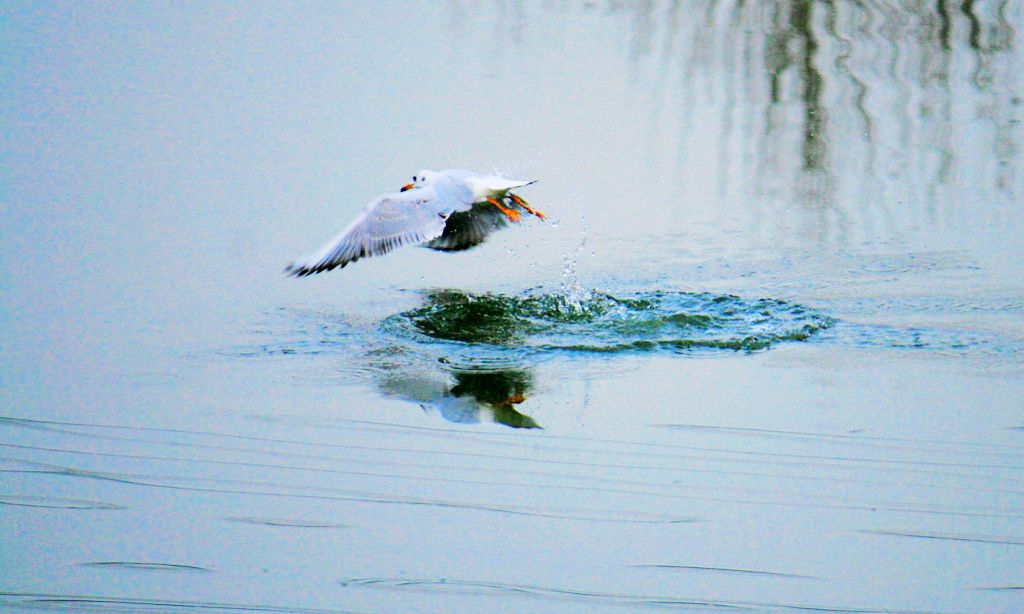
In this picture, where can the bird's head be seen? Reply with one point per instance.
(420, 179)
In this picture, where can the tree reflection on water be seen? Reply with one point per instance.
(869, 115)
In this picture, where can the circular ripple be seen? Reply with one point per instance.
(675, 321)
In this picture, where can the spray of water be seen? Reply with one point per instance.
(572, 291)
(573, 294)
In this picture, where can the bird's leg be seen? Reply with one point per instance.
(522, 203)
(511, 214)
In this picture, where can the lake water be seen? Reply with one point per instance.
(765, 353)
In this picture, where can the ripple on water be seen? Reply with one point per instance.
(56, 503)
(600, 322)
(286, 522)
(145, 566)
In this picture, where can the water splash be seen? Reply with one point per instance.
(574, 292)
(571, 289)
(600, 322)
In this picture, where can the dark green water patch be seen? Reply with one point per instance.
(599, 322)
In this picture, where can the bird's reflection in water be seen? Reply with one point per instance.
(473, 397)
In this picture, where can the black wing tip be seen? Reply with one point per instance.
(297, 271)
(305, 271)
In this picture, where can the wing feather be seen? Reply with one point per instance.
(390, 222)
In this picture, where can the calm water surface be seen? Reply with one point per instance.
(766, 353)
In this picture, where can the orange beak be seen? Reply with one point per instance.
(407, 186)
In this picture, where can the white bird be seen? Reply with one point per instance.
(448, 210)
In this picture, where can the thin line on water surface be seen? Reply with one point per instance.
(56, 502)
(286, 522)
(43, 425)
(489, 471)
(730, 570)
(845, 436)
(144, 566)
(482, 436)
(448, 434)
(470, 455)
(485, 587)
(597, 515)
(143, 480)
(58, 601)
(979, 539)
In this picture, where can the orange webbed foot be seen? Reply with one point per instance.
(511, 214)
(522, 203)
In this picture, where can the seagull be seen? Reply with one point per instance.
(449, 210)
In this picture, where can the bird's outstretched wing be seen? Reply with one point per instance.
(465, 229)
(391, 221)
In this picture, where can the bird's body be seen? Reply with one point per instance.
(449, 210)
